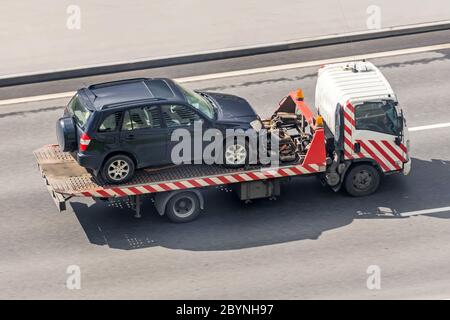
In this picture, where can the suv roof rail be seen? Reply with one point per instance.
(112, 83)
(130, 102)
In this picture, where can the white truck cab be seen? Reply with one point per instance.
(363, 115)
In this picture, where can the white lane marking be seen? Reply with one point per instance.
(44, 97)
(245, 72)
(431, 126)
(426, 211)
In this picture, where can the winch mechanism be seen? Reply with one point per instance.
(291, 131)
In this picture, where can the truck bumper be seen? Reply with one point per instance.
(407, 167)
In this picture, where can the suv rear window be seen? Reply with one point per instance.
(78, 111)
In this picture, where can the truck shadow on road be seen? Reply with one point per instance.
(305, 210)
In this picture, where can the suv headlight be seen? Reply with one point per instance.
(256, 124)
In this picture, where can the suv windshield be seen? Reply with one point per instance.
(379, 116)
(78, 111)
(198, 102)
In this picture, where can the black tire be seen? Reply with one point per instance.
(119, 176)
(66, 134)
(362, 180)
(240, 164)
(183, 207)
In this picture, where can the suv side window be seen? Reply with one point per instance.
(179, 115)
(110, 123)
(141, 118)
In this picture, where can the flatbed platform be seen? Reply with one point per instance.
(64, 176)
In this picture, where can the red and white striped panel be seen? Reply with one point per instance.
(262, 174)
(349, 127)
(387, 154)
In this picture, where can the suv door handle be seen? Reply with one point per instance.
(129, 137)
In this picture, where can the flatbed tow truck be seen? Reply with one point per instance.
(344, 154)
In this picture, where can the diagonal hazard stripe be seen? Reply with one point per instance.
(384, 154)
(348, 143)
(393, 150)
(119, 192)
(348, 130)
(374, 156)
(350, 108)
(349, 118)
(403, 147)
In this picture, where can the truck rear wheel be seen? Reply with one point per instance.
(183, 207)
(362, 180)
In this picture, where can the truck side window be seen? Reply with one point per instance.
(178, 115)
(141, 118)
(377, 116)
(110, 123)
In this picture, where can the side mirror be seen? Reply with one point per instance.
(400, 123)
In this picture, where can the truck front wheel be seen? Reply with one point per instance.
(362, 180)
(183, 207)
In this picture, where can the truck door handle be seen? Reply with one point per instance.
(357, 147)
(129, 137)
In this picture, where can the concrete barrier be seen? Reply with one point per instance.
(139, 64)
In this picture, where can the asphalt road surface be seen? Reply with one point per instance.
(310, 243)
(36, 37)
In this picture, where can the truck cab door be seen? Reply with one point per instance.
(375, 132)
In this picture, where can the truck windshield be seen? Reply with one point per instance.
(379, 116)
(78, 111)
(198, 102)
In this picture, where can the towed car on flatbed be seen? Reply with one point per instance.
(113, 128)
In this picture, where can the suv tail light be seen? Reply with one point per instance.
(84, 142)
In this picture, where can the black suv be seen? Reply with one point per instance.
(116, 127)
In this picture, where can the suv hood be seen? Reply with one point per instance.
(232, 108)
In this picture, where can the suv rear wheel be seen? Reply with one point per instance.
(118, 169)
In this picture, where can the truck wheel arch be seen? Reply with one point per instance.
(350, 164)
(357, 162)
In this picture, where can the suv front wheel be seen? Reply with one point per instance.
(236, 155)
(118, 169)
